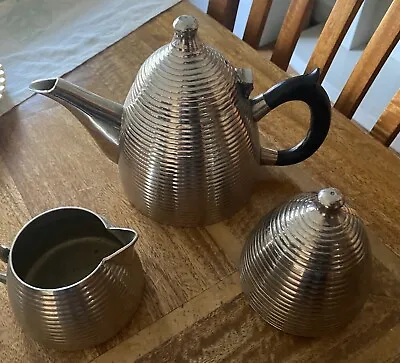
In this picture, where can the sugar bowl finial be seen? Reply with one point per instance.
(331, 199)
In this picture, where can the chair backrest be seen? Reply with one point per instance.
(225, 11)
(388, 125)
(370, 63)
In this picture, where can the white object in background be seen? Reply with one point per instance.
(201, 4)
(274, 21)
(47, 38)
(365, 23)
(242, 17)
(2, 81)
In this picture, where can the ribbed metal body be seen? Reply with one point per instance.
(306, 267)
(80, 316)
(84, 313)
(189, 147)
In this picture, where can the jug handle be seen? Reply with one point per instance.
(305, 88)
(4, 252)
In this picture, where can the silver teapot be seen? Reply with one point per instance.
(73, 279)
(186, 139)
(306, 267)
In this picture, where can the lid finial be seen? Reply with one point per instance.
(331, 198)
(185, 24)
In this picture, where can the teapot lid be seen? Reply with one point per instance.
(187, 70)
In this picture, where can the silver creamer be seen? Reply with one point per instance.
(73, 280)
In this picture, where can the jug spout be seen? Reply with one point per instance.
(125, 255)
(101, 117)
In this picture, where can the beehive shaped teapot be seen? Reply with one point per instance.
(186, 139)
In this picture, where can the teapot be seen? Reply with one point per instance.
(73, 279)
(186, 139)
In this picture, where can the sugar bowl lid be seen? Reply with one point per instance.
(318, 221)
(306, 266)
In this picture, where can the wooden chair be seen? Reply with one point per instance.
(388, 125)
(370, 63)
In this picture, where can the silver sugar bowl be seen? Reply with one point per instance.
(306, 267)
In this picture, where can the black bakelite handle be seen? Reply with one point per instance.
(304, 88)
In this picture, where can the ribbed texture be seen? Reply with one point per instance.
(307, 270)
(83, 315)
(188, 157)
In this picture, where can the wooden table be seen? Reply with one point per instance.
(193, 309)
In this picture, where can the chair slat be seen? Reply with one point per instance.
(256, 22)
(371, 61)
(224, 11)
(332, 35)
(388, 125)
(294, 22)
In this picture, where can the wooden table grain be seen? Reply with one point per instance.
(193, 309)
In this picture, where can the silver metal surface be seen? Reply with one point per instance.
(101, 117)
(4, 252)
(306, 267)
(73, 280)
(268, 156)
(185, 24)
(245, 80)
(191, 147)
(188, 146)
(259, 108)
(331, 198)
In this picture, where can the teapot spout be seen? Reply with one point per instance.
(101, 117)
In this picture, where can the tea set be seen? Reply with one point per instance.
(187, 146)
